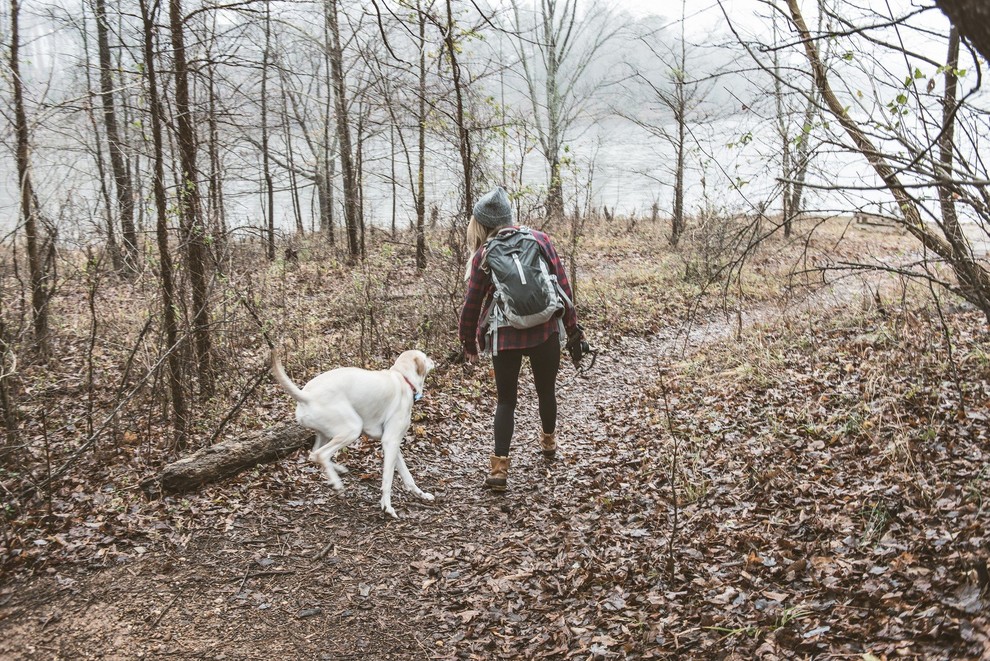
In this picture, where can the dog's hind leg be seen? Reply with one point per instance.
(320, 441)
(324, 455)
(407, 478)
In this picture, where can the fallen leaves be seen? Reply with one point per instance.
(829, 488)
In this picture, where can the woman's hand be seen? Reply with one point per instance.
(470, 357)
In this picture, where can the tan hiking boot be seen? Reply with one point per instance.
(500, 472)
(548, 445)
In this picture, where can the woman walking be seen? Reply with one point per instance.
(541, 343)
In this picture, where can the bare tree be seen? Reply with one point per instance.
(452, 48)
(795, 149)
(556, 50)
(946, 238)
(420, 186)
(406, 109)
(166, 269)
(30, 213)
(291, 159)
(320, 140)
(352, 204)
(682, 92)
(190, 210)
(680, 101)
(118, 159)
(266, 169)
(215, 205)
(113, 249)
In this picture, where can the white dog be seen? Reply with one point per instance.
(340, 404)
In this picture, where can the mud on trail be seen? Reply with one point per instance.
(810, 520)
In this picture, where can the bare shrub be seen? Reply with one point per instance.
(714, 240)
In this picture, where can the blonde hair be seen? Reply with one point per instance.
(477, 235)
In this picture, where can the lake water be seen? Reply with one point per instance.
(613, 163)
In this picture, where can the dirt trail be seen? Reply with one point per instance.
(272, 566)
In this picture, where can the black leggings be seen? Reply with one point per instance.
(544, 359)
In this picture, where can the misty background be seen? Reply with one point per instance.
(615, 154)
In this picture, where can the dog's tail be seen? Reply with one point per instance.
(284, 381)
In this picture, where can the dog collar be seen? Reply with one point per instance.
(416, 394)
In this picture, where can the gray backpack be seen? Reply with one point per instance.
(527, 293)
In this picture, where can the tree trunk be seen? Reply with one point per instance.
(555, 187)
(227, 459)
(555, 191)
(677, 223)
(421, 147)
(214, 196)
(351, 204)
(678, 103)
(463, 136)
(101, 171)
(193, 230)
(324, 202)
(29, 210)
(393, 182)
(169, 309)
(785, 143)
(803, 156)
(118, 160)
(359, 173)
(944, 167)
(265, 161)
(291, 158)
(324, 184)
(972, 19)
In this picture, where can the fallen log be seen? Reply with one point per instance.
(226, 459)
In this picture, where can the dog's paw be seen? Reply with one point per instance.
(340, 468)
(388, 509)
(428, 497)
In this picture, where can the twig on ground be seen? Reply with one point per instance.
(167, 608)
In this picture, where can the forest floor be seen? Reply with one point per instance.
(804, 479)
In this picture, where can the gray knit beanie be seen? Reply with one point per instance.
(494, 208)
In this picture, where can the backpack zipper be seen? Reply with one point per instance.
(522, 276)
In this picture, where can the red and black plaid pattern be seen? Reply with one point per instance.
(478, 299)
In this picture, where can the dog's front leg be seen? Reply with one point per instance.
(407, 479)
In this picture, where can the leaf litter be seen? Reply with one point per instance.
(829, 492)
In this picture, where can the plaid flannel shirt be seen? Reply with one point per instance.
(478, 301)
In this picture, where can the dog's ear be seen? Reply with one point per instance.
(421, 367)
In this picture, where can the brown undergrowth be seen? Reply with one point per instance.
(829, 481)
